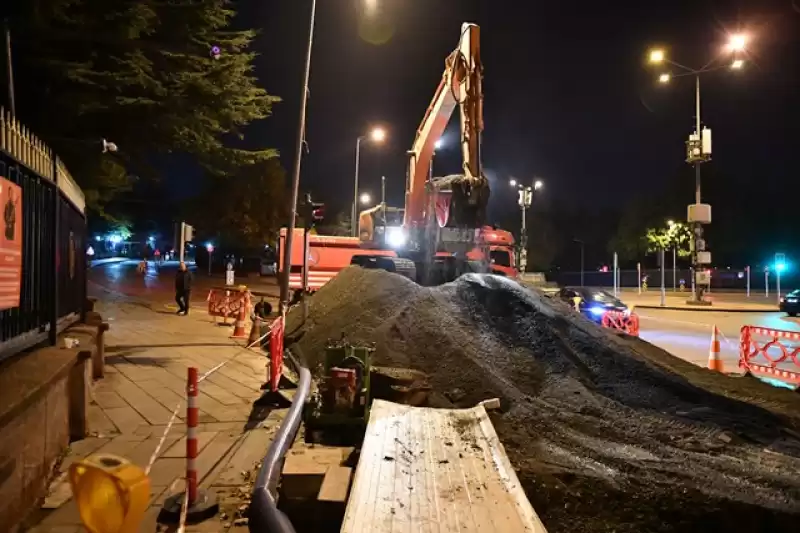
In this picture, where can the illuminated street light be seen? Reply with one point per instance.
(670, 223)
(657, 56)
(438, 144)
(738, 42)
(664, 78)
(737, 64)
(365, 198)
(512, 182)
(377, 135)
(537, 185)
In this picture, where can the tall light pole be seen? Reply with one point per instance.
(698, 151)
(301, 132)
(525, 201)
(583, 244)
(377, 135)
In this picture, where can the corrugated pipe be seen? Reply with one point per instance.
(264, 514)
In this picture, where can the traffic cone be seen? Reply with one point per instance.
(239, 326)
(714, 361)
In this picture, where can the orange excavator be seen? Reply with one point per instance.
(441, 232)
(441, 236)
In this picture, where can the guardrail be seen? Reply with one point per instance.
(763, 356)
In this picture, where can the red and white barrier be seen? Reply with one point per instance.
(191, 435)
(625, 322)
(276, 353)
(763, 356)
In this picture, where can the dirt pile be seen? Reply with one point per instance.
(606, 433)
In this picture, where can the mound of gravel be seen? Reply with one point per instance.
(607, 433)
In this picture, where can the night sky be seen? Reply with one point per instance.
(569, 97)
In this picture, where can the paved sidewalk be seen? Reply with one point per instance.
(677, 301)
(147, 355)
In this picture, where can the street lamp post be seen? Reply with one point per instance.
(582, 255)
(698, 150)
(376, 135)
(301, 132)
(525, 201)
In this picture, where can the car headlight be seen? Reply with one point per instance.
(396, 237)
(597, 311)
(791, 300)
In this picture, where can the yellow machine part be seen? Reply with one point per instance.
(112, 493)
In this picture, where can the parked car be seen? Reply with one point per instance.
(594, 303)
(790, 304)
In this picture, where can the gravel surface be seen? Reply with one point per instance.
(607, 432)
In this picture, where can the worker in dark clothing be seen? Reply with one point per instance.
(183, 288)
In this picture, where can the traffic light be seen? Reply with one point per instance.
(317, 212)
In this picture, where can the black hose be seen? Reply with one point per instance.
(264, 514)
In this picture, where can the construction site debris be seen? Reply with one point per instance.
(606, 432)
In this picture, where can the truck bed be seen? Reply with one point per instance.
(435, 470)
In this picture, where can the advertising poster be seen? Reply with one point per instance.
(10, 244)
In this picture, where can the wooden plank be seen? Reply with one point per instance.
(435, 470)
(335, 485)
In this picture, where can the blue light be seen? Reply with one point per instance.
(597, 311)
(780, 267)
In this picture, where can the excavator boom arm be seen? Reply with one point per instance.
(461, 86)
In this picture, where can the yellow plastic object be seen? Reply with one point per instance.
(112, 493)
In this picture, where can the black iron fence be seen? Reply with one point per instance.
(53, 283)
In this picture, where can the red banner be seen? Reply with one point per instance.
(10, 244)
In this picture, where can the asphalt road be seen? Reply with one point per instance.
(687, 334)
(157, 284)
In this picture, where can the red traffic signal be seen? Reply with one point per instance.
(318, 212)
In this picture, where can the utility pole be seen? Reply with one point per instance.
(9, 70)
(301, 132)
(582, 257)
(383, 205)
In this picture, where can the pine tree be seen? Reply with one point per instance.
(141, 73)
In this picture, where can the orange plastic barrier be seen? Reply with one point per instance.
(228, 302)
(276, 353)
(625, 322)
(762, 356)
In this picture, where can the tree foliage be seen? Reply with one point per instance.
(676, 235)
(247, 210)
(139, 73)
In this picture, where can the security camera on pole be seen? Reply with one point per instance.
(698, 151)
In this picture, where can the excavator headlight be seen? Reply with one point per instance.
(396, 237)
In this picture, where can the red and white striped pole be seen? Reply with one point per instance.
(191, 435)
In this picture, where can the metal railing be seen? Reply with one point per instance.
(53, 285)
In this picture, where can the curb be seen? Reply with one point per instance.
(706, 309)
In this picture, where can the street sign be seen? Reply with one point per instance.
(703, 277)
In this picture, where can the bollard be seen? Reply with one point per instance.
(191, 435)
(99, 356)
(202, 504)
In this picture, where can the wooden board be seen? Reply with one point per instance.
(435, 470)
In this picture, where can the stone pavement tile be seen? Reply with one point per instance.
(82, 448)
(144, 404)
(66, 515)
(125, 419)
(108, 400)
(251, 450)
(179, 448)
(165, 471)
(143, 451)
